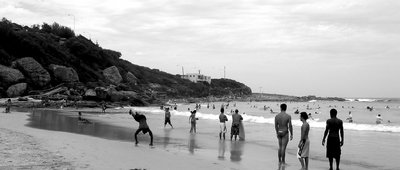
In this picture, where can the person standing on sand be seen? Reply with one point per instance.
(167, 117)
(334, 126)
(192, 121)
(142, 126)
(304, 143)
(283, 125)
(222, 124)
(8, 106)
(236, 118)
(103, 106)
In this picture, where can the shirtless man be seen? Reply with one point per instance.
(283, 124)
(143, 127)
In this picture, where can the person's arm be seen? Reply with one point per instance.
(325, 133)
(341, 134)
(290, 127)
(276, 125)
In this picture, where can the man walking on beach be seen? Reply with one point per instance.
(167, 117)
(222, 124)
(236, 118)
(283, 124)
(334, 144)
(142, 126)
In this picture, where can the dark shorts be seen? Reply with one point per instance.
(144, 130)
(167, 120)
(235, 129)
(333, 149)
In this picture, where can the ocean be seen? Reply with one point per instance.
(366, 144)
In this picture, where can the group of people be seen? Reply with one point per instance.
(333, 133)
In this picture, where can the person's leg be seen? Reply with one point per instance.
(191, 127)
(165, 122)
(235, 137)
(223, 135)
(330, 162)
(285, 141)
(301, 162)
(136, 133)
(194, 125)
(337, 162)
(151, 137)
(306, 163)
(280, 149)
(220, 135)
(170, 124)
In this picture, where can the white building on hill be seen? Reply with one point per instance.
(196, 77)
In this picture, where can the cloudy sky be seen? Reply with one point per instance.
(296, 47)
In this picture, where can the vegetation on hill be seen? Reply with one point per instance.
(56, 44)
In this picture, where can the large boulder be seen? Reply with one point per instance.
(16, 90)
(112, 75)
(37, 75)
(131, 78)
(64, 74)
(9, 76)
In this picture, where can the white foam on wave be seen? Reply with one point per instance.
(260, 119)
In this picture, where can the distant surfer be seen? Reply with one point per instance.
(379, 119)
(143, 127)
(350, 118)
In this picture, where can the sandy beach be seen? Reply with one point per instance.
(50, 139)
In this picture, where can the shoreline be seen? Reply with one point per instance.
(174, 148)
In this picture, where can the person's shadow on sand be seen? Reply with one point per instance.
(236, 151)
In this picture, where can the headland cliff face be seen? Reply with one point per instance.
(51, 62)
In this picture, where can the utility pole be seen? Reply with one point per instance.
(224, 72)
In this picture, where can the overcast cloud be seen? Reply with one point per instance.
(304, 47)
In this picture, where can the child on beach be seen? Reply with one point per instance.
(192, 121)
(142, 126)
(167, 117)
(304, 143)
(8, 107)
(222, 124)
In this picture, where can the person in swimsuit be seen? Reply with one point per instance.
(167, 117)
(222, 124)
(304, 143)
(283, 125)
(236, 118)
(334, 126)
(192, 121)
(143, 127)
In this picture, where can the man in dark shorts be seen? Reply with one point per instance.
(167, 117)
(334, 144)
(236, 118)
(142, 126)
(283, 124)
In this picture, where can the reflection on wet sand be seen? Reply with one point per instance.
(236, 150)
(221, 149)
(192, 143)
(51, 120)
(281, 166)
(167, 133)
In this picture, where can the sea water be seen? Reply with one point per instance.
(366, 145)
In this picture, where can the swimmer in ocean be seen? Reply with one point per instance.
(283, 125)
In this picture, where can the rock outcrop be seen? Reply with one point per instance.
(131, 78)
(16, 90)
(33, 71)
(9, 76)
(112, 75)
(64, 74)
(122, 95)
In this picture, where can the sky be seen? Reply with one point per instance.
(330, 48)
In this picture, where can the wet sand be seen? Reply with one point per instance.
(107, 143)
